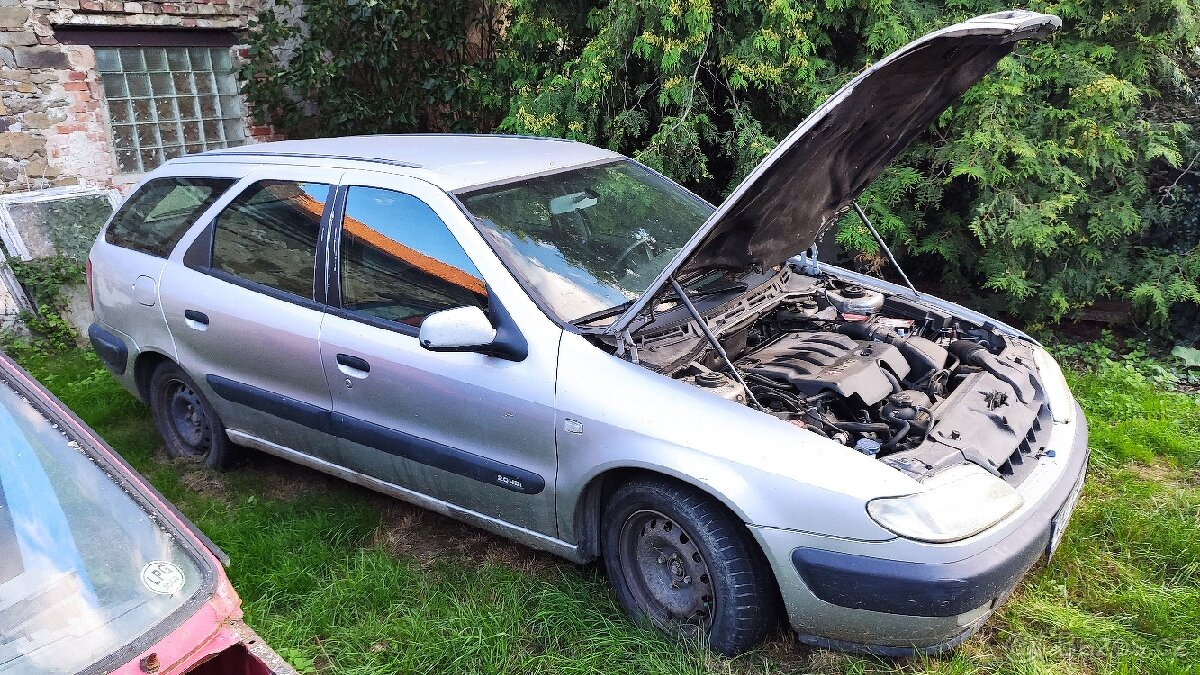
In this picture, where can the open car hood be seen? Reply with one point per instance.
(796, 193)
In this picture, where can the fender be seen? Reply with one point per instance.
(768, 472)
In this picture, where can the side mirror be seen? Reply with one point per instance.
(461, 329)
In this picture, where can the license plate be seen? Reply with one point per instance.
(1059, 524)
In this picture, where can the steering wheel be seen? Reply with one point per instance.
(625, 258)
(575, 223)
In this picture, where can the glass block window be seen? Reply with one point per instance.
(164, 102)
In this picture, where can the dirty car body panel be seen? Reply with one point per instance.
(897, 461)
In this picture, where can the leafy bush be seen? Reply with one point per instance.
(1040, 184)
(45, 281)
(371, 66)
(1131, 359)
(1067, 175)
(45, 278)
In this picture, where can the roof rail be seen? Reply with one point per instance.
(307, 155)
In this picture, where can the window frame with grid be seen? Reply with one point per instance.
(167, 101)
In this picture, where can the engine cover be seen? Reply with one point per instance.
(816, 362)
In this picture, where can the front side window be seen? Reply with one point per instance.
(399, 262)
(268, 235)
(154, 218)
(165, 102)
(590, 238)
(84, 569)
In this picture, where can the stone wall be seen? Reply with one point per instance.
(53, 128)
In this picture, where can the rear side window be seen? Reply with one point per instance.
(268, 235)
(399, 262)
(161, 211)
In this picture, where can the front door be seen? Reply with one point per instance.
(244, 315)
(473, 430)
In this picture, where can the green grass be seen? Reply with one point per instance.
(342, 580)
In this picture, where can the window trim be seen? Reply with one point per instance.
(332, 285)
(307, 303)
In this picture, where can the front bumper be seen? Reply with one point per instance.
(901, 597)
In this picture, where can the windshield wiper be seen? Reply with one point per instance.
(734, 287)
(603, 314)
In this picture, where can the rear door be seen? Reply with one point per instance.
(473, 430)
(242, 303)
(130, 254)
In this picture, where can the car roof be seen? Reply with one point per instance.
(450, 161)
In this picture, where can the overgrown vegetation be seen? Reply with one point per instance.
(341, 580)
(373, 66)
(1066, 176)
(46, 281)
(70, 223)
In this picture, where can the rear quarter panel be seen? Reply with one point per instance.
(120, 298)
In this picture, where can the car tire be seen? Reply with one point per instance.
(681, 561)
(189, 426)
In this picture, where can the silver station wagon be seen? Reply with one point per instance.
(555, 343)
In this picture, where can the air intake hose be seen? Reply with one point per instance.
(923, 356)
(974, 354)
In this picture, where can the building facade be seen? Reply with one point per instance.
(98, 92)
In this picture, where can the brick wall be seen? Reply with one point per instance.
(256, 133)
(53, 127)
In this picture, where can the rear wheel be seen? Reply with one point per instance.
(187, 422)
(681, 561)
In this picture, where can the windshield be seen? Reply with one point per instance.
(83, 569)
(588, 239)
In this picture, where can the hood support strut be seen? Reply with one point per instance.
(712, 339)
(879, 240)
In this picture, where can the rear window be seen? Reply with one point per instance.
(157, 215)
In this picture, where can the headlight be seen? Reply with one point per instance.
(1058, 394)
(958, 502)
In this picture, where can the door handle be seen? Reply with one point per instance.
(353, 365)
(197, 320)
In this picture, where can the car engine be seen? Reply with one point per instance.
(886, 375)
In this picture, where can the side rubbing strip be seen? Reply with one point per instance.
(271, 403)
(391, 441)
(437, 455)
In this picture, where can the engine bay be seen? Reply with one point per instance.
(886, 375)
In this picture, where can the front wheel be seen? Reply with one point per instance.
(187, 422)
(680, 560)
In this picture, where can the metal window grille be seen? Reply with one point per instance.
(165, 102)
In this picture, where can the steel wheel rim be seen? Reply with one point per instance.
(666, 572)
(187, 419)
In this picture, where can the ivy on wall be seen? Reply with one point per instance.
(46, 281)
(1066, 176)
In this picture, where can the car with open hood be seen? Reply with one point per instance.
(99, 573)
(555, 343)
